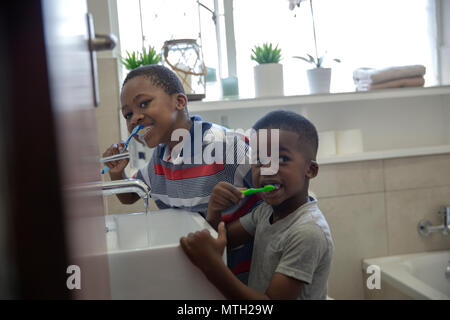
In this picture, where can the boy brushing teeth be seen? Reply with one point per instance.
(293, 246)
(154, 97)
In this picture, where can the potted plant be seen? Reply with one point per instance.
(319, 78)
(137, 58)
(268, 73)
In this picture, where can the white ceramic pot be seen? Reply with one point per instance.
(268, 80)
(319, 80)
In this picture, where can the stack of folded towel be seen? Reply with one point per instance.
(392, 77)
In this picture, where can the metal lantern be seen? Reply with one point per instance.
(184, 57)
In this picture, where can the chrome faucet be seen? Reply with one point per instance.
(425, 227)
(115, 187)
(126, 186)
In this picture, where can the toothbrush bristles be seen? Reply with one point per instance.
(139, 128)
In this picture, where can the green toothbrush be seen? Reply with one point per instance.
(250, 191)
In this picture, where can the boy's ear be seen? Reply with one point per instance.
(312, 170)
(181, 101)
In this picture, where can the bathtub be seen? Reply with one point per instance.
(413, 276)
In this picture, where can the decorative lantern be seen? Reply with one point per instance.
(184, 57)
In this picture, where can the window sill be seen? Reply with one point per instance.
(386, 154)
(237, 103)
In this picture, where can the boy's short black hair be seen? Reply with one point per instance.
(291, 121)
(159, 76)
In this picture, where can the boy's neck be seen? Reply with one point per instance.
(289, 206)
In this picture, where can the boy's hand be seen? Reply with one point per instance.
(203, 250)
(116, 167)
(223, 196)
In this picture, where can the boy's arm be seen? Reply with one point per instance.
(206, 253)
(124, 198)
(282, 287)
(223, 196)
(236, 234)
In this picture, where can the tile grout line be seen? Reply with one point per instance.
(382, 191)
(388, 247)
(420, 188)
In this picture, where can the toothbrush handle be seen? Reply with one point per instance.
(125, 146)
(106, 168)
(249, 192)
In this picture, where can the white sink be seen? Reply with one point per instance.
(146, 260)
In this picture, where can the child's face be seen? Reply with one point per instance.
(294, 169)
(150, 106)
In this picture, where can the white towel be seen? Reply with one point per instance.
(398, 83)
(373, 76)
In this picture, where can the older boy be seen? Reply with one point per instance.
(179, 177)
(293, 246)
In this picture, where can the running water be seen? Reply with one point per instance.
(146, 205)
(146, 220)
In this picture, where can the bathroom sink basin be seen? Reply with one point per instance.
(146, 260)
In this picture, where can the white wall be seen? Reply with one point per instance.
(445, 41)
(385, 123)
(446, 117)
(104, 13)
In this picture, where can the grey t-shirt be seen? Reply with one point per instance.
(298, 246)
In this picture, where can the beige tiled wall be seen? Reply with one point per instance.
(373, 208)
(417, 172)
(350, 178)
(108, 111)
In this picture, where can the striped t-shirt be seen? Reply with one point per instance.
(185, 179)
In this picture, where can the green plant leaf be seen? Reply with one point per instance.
(311, 59)
(303, 58)
(130, 61)
(136, 59)
(150, 56)
(319, 62)
(266, 54)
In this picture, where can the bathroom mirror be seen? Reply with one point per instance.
(382, 184)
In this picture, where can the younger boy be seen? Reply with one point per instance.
(293, 246)
(153, 96)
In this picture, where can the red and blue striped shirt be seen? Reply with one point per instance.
(185, 180)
